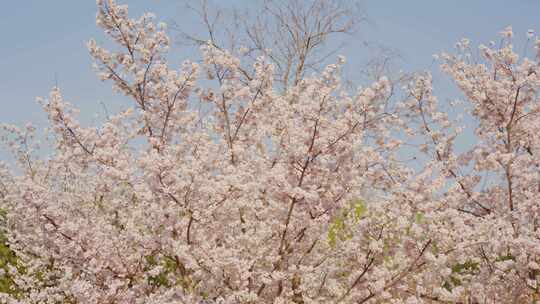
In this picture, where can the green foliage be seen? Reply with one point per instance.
(360, 209)
(469, 267)
(506, 257)
(419, 217)
(338, 229)
(7, 257)
(161, 279)
(170, 267)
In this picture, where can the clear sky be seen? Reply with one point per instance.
(43, 42)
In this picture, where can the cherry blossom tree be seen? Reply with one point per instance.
(218, 188)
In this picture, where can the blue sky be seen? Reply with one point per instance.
(43, 42)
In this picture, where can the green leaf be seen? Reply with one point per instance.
(419, 217)
(359, 209)
(338, 228)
